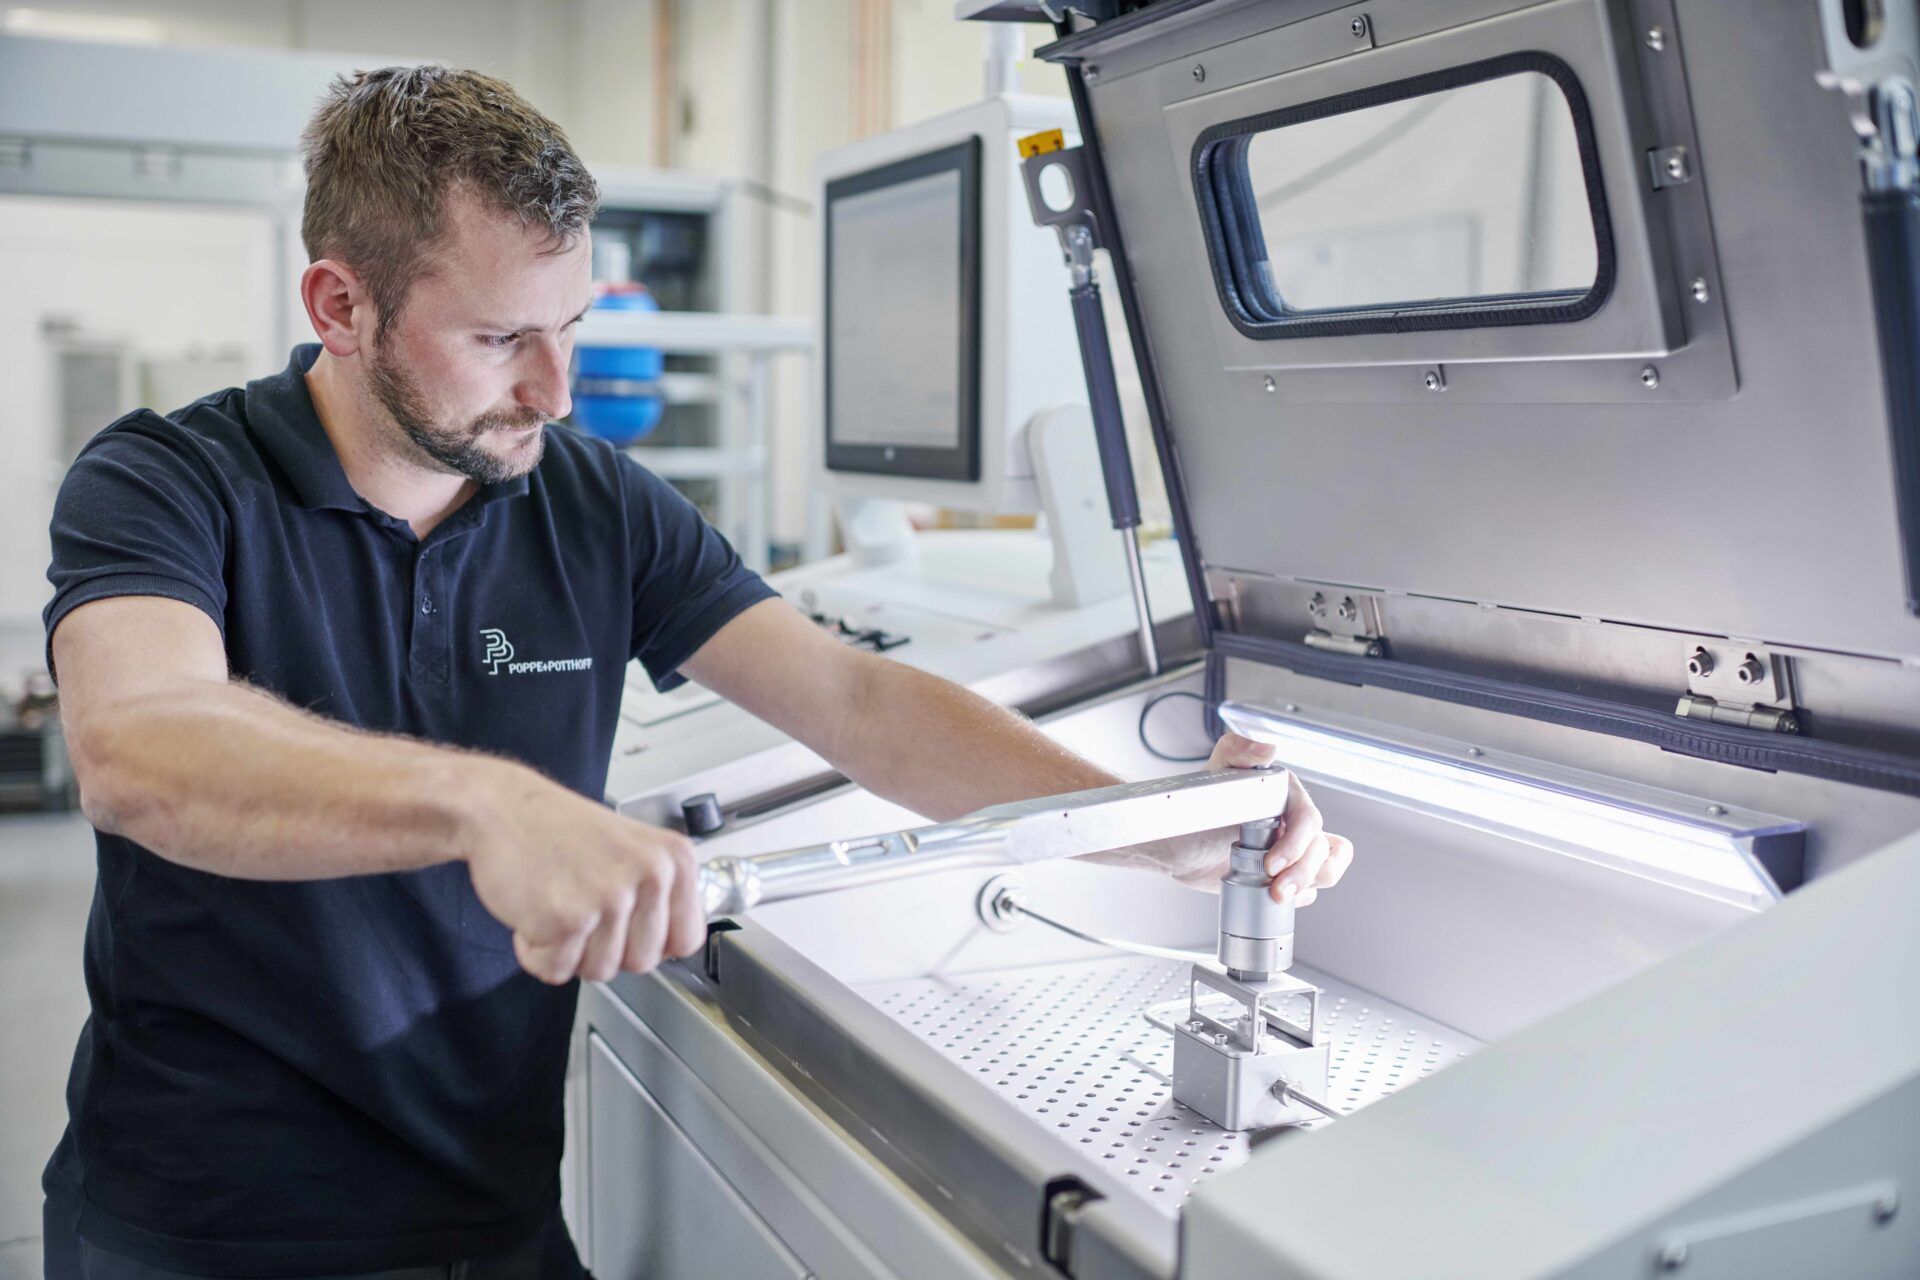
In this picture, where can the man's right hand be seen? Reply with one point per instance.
(586, 892)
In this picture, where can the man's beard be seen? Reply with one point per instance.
(454, 449)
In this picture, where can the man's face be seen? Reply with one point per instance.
(476, 362)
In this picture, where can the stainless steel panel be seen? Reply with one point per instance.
(680, 1217)
(1767, 515)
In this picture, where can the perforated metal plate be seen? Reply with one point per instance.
(1067, 1044)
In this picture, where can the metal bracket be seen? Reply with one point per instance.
(1247, 1029)
(1872, 56)
(1739, 685)
(1346, 622)
(1671, 167)
(1073, 219)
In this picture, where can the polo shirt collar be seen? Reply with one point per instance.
(280, 413)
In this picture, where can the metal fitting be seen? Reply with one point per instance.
(1256, 933)
(1750, 671)
(1701, 663)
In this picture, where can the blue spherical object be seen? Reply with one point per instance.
(616, 390)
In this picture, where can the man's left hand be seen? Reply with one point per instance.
(1305, 857)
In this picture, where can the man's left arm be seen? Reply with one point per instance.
(943, 751)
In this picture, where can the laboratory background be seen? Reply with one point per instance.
(1504, 413)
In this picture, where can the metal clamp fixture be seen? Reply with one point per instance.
(1247, 1066)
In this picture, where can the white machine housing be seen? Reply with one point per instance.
(1028, 359)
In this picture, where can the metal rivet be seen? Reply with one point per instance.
(1717, 810)
(1292, 707)
(1885, 1207)
(1676, 166)
(1657, 39)
(1673, 1255)
(1649, 377)
(1268, 385)
(1199, 73)
(1475, 751)
(1700, 293)
(1434, 380)
(1358, 26)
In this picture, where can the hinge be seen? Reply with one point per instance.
(1742, 685)
(1347, 623)
(1223, 592)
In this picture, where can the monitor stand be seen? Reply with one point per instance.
(1089, 564)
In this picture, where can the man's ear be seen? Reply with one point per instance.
(339, 306)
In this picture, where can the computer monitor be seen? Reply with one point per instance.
(944, 321)
(902, 312)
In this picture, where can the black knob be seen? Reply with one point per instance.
(702, 814)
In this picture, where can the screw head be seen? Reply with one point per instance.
(1318, 605)
(1434, 380)
(1092, 71)
(1700, 663)
(1717, 810)
(1656, 38)
(1475, 752)
(1673, 1255)
(1268, 385)
(1358, 26)
(1348, 609)
(1199, 73)
(1886, 1207)
(1750, 671)
(1676, 167)
(1649, 377)
(1700, 293)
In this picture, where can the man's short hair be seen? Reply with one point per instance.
(387, 146)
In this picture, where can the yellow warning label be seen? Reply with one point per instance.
(1040, 144)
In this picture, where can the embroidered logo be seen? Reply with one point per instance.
(499, 649)
(499, 652)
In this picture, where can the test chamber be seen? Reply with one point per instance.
(1572, 577)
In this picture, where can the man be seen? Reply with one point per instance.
(351, 860)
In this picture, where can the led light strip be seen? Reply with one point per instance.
(1656, 837)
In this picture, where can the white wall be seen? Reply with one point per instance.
(166, 278)
(766, 86)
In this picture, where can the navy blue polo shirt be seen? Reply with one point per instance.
(351, 1074)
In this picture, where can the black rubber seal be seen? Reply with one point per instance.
(1236, 247)
(1722, 744)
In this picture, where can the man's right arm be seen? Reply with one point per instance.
(215, 775)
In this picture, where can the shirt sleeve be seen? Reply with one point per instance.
(139, 514)
(688, 581)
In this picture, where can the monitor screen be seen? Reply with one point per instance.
(902, 284)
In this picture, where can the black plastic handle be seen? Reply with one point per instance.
(1893, 257)
(1103, 397)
